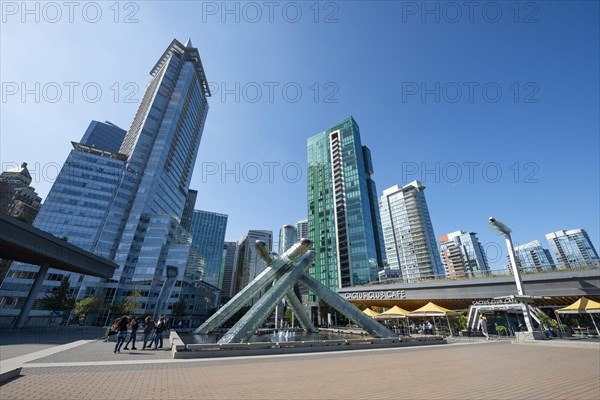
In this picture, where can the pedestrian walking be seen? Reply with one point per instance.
(121, 328)
(158, 332)
(148, 332)
(483, 326)
(134, 325)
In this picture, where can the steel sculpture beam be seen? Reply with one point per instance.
(277, 281)
(347, 309)
(258, 284)
(260, 311)
(299, 312)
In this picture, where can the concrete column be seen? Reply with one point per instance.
(31, 296)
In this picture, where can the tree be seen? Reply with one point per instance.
(179, 308)
(288, 314)
(59, 298)
(86, 306)
(128, 305)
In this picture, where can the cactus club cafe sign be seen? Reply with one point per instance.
(376, 295)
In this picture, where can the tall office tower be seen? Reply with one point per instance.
(141, 228)
(463, 255)
(17, 197)
(533, 257)
(410, 243)
(208, 235)
(287, 237)
(343, 218)
(141, 231)
(249, 264)
(302, 229)
(188, 209)
(229, 268)
(76, 204)
(572, 248)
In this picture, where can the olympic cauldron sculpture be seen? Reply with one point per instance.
(277, 281)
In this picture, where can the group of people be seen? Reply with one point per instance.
(153, 332)
(426, 328)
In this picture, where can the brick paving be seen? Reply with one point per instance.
(458, 371)
(103, 351)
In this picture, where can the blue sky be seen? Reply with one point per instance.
(505, 88)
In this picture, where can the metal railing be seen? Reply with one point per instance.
(557, 267)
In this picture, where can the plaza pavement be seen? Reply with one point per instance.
(461, 370)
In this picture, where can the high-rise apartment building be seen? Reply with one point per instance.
(302, 229)
(343, 217)
(572, 248)
(130, 203)
(249, 264)
(463, 255)
(208, 235)
(287, 237)
(410, 242)
(533, 257)
(229, 269)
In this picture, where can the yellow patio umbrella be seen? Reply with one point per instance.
(394, 313)
(370, 312)
(583, 306)
(433, 310)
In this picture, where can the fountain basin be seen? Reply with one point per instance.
(182, 350)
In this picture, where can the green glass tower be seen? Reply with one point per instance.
(343, 216)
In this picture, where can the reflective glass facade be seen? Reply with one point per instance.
(533, 257)
(249, 264)
(410, 242)
(343, 219)
(463, 255)
(141, 231)
(287, 238)
(133, 192)
(208, 235)
(76, 204)
(572, 248)
(229, 269)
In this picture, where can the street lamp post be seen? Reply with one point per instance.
(502, 229)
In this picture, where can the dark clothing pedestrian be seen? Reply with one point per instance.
(134, 327)
(121, 328)
(148, 332)
(158, 332)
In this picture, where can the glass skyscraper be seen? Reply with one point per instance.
(572, 248)
(533, 257)
(410, 243)
(148, 177)
(343, 217)
(208, 235)
(249, 263)
(229, 269)
(463, 255)
(75, 206)
(287, 238)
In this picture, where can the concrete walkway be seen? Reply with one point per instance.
(463, 370)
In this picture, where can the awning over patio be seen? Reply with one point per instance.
(370, 312)
(581, 306)
(433, 310)
(393, 313)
